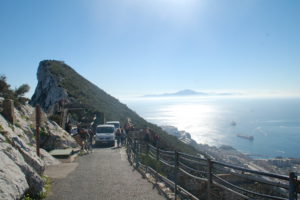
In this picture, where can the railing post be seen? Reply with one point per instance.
(138, 154)
(135, 152)
(147, 149)
(209, 178)
(176, 173)
(292, 186)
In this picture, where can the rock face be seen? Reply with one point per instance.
(13, 182)
(20, 168)
(54, 137)
(47, 92)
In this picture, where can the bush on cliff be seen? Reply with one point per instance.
(17, 95)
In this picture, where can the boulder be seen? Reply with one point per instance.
(55, 137)
(17, 139)
(33, 179)
(13, 183)
(48, 159)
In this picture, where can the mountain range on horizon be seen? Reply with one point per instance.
(188, 92)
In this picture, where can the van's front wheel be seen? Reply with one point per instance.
(112, 144)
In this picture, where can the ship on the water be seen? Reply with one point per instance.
(248, 137)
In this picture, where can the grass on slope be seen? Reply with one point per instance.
(89, 94)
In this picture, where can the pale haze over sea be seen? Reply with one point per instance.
(273, 122)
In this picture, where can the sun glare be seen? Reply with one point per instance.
(192, 118)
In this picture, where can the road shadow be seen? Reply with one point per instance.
(102, 146)
(116, 147)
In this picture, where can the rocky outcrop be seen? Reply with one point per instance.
(20, 168)
(54, 137)
(33, 178)
(47, 92)
(13, 182)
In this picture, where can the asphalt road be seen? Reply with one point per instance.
(105, 174)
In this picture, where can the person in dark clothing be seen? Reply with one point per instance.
(68, 127)
(156, 140)
(146, 135)
(91, 137)
(118, 137)
(123, 137)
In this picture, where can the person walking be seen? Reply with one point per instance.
(91, 138)
(123, 136)
(118, 137)
(146, 135)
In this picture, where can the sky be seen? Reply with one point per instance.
(137, 47)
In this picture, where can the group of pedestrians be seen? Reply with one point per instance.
(120, 137)
(148, 136)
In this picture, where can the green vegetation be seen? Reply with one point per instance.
(153, 163)
(18, 125)
(17, 95)
(25, 117)
(97, 100)
(11, 126)
(41, 195)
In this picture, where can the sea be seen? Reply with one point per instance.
(274, 123)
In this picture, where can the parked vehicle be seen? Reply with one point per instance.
(105, 134)
(115, 123)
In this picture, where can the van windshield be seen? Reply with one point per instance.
(105, 130)
(117, 125)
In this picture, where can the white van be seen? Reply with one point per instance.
(115, 123)
(105, 134)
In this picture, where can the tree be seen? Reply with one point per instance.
(19, 92)
(16, 95)
(3, 85)
(5, 90)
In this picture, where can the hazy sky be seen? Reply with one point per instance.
(134, 47)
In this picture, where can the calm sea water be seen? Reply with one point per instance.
(273, 122)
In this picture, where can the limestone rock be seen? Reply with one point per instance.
(20, 167)
(13, 183)
(18, 140)
(47, 92)
(56, 138)
(33, 179)
(48, 159)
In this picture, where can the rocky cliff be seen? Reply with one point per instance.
(21, 170)
(48, 92)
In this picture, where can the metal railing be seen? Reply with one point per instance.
(242, 182)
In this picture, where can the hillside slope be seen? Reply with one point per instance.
(57, 81)
(21, 169)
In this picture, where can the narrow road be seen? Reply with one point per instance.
(105, 175)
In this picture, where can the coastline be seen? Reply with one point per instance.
(228, 154)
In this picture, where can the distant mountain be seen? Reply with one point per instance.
(188, 92)
(59, 82)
